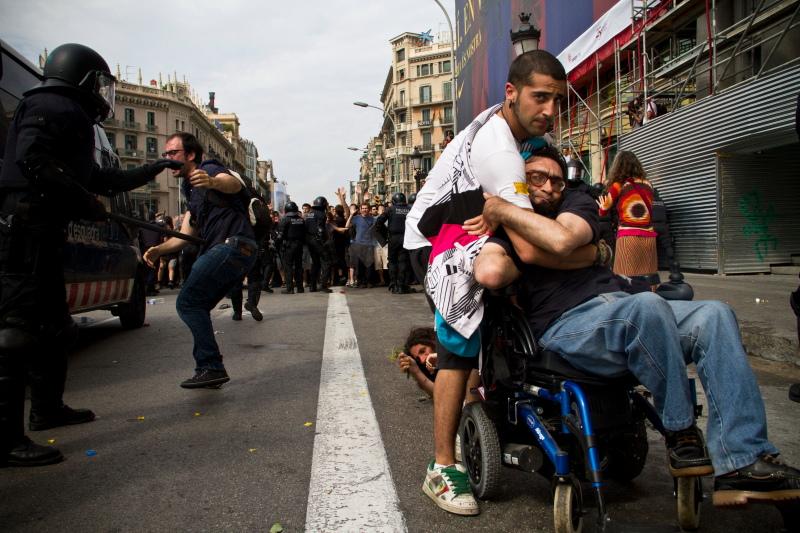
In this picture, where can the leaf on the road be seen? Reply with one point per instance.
(251, 450)
(51, 441)
(396, 351)
(308, 424)
(276, 528)
(140, 418)
(198, 414)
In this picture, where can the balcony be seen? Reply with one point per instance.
(130, 125)
(111, 122)
(446, 121)
(151, 156)
(424, 147)
(424, 123)
(132, 152)
(152, 128)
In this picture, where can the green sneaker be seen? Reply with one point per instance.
(448, 487)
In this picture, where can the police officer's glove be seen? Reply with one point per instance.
(110, 181)
(155, 168)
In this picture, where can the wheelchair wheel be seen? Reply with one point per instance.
(567, 508)
(627, 453)
(480, 450)
(689, 493)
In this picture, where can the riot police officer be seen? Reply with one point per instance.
(317, 236)
(48, 178)
(399, 266)
(292, 231)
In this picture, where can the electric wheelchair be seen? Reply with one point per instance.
(540, 414)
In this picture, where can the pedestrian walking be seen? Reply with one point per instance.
(630, 196)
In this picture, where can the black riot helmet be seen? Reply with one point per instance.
(83, 71)
(319, 203)
(290, 207)
(398, 198)
(412, 198)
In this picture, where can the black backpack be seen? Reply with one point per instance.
(257, 210)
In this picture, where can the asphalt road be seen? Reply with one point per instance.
(239, 458)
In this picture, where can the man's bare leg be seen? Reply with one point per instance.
(448, 392)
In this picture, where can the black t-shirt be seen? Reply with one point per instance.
(217, 215)
(545, 294)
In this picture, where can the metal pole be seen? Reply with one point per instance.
(453, 66)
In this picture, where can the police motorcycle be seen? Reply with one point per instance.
(540, 414)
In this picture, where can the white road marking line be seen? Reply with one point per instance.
(351, 486)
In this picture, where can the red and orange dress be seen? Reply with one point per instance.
(635, 253)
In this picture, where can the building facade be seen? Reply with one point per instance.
(417, 100)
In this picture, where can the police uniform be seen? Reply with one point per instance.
(399, 265)
(48, 177)
(317, 238)
(292, 232)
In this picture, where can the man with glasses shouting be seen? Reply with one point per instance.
(217, 214)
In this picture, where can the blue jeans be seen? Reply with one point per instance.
(213, 275)
(654, 339)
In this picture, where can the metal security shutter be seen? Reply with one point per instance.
(759, 203)
(678, 151)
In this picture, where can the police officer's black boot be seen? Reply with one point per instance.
(47, 376)
(15, 448)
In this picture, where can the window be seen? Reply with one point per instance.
(426, 140)
(444, 66)
(129, 116)
(447, 90)
(425, 94)
(426, 164)
(183, 127)
(401, 74)
(448, 115)
(151, 118)
(152, 145)
(130, 142)
(401, 55)
(177, 125)
(112, 139)
(425, 70)
(401, 118)
(426, 115)
(402, 98)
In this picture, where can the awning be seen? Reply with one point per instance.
(597, 43)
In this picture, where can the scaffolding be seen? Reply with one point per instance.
(675, 53)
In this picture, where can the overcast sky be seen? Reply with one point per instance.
(289, 69)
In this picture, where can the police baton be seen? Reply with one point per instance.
(154, 227)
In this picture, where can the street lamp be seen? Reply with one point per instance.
(416, 162)
(526, 38)
(394, 127)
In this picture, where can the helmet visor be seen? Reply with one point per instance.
(105, 85)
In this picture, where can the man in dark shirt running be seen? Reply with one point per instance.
(590, 318)
(218, 214)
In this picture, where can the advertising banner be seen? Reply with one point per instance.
(484, 51)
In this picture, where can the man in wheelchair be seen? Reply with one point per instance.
(599, 324)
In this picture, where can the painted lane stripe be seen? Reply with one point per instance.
(351, 486)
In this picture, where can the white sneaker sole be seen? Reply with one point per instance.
(449, 507)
